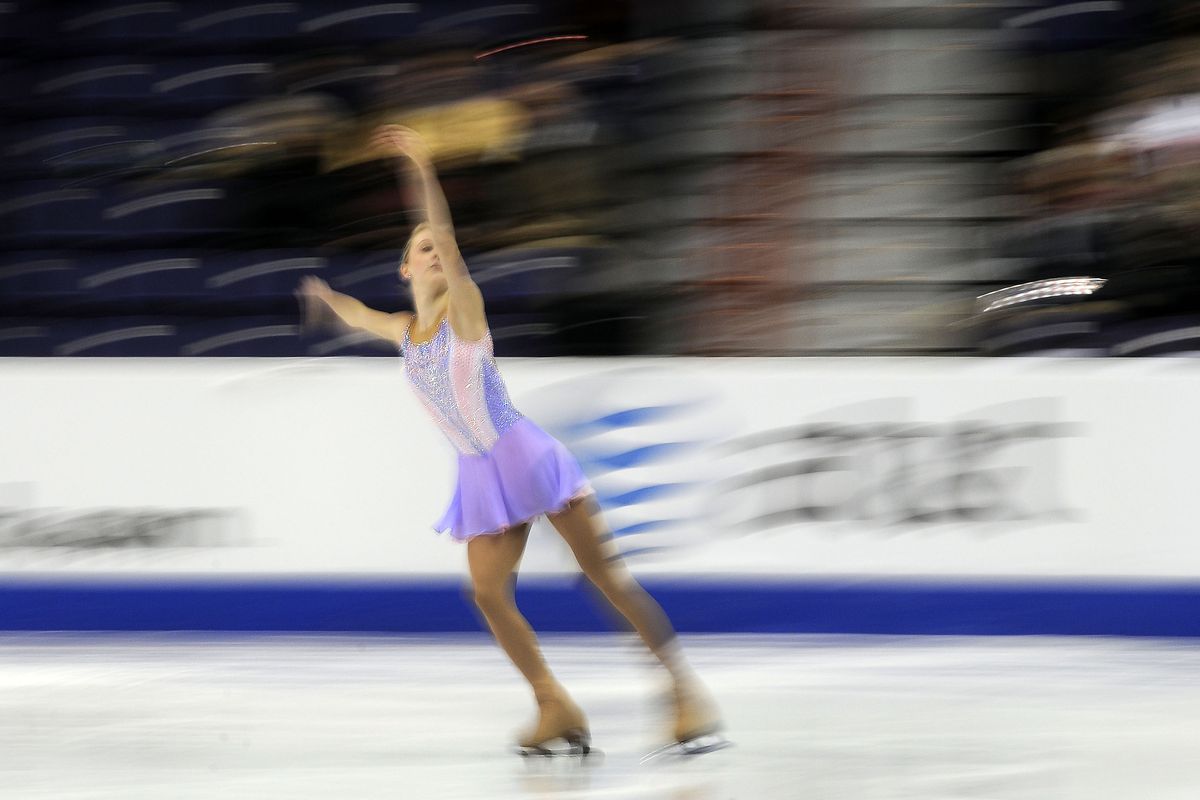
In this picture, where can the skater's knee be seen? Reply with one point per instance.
(491, 599)
(625, 595)
(611, 580)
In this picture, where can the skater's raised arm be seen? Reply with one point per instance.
(466, 301)
(435, 212)
(352, 311)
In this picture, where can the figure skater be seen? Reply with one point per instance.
(510, 471)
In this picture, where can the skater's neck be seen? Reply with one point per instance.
(431, 306)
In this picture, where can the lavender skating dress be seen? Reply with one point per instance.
(509, 469)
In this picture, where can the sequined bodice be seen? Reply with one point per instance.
(460, 386)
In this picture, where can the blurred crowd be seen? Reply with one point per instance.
(1106, 258)
(756, 177)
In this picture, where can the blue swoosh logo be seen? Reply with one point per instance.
(627, 418)
(642, 494)
(637, 551)
(643, 527)
(639, 455)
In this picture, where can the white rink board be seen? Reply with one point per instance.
(878, 467)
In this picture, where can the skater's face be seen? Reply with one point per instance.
(421, 260)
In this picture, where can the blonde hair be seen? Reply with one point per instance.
(408, 244)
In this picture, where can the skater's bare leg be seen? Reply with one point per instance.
(493, 561)
(583, 528)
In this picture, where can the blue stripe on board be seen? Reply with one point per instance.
(639, 455)
(811, 607)
(628, 418)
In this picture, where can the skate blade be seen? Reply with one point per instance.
(708, 743)
(568, 750)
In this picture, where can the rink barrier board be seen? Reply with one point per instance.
(429, 607)
(890, 496)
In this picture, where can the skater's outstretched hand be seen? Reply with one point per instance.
(401, 141)
(313, 288)
(312, 293)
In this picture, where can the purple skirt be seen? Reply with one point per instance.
(527, 473)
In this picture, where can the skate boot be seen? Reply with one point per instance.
(697, 726)
(559, 720)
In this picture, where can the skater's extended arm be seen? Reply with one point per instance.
(466, 301)
(352, 311)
